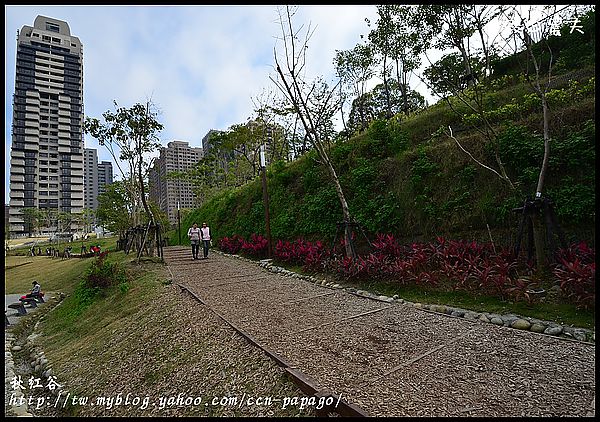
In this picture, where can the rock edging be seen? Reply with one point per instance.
(514, 321)
(34, 363)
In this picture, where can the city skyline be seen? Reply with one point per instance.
(201, 65)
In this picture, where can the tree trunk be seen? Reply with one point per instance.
(468, 71)
(344, 120)
(387, 89)
(404, 90)
(539, 241)
(542, 175)
(294, 93)
(342, 198)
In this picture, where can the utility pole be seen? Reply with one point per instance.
(178, 222)
(266, 199)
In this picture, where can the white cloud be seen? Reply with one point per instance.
(201, 65)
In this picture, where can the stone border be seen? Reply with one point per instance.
(39, 365)
(535, 325)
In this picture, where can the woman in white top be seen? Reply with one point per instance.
(205, 239)
(195, 235)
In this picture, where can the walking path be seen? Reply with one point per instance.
(391, 359)
(13, 314)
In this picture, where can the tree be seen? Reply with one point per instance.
(64, 220)
(355, 68)
(445, 27)
(134, 132)
(160, 216)
(115, 211)
(381, 39)
(406, 49)
(472, 98)
(446, 76)
(451, 26)
(30, 218)
(313, 102)
(481, 16)
(539, 79)
(373, 104)
(88, 218)
(278, 132)
(49, 219)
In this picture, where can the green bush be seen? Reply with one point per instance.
(103, 274)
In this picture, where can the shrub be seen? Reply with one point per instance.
(576, 273)
(462, 265)
(103, 274)
(302, 252)
(256, 247)
(232, 244)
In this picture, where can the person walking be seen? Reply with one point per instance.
(195, 235)
(205, 239)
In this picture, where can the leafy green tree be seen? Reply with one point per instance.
(446, 76)
(133, 131)
(49, 219)
(88, 219)
(406, 48)
(65, 219)
(373, 105)
(381, 40)
(115, 211)
(355, 68)
(446, 27)
(30, 218)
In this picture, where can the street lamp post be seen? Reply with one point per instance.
(266, 199)
(178, 222)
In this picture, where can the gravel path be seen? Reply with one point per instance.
(176, 357)
(391, 359)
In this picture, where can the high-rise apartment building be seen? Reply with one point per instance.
(90, 178)
(177, 156)
(105, 175)
(96, 177)
(206, 140)
(46, 160)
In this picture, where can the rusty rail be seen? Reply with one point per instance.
(306, 384)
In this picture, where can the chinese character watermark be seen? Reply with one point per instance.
(574, 25)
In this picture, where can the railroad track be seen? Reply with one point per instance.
(304, 382)
(338, 345)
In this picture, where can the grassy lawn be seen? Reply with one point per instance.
(140, 341)
(43, 243)
(53, 274)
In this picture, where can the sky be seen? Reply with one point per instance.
(201, 65)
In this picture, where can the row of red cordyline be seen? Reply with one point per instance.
(464, 265)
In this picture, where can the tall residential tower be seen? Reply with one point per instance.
(167, 193)
(96, 177)
(46, 159)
